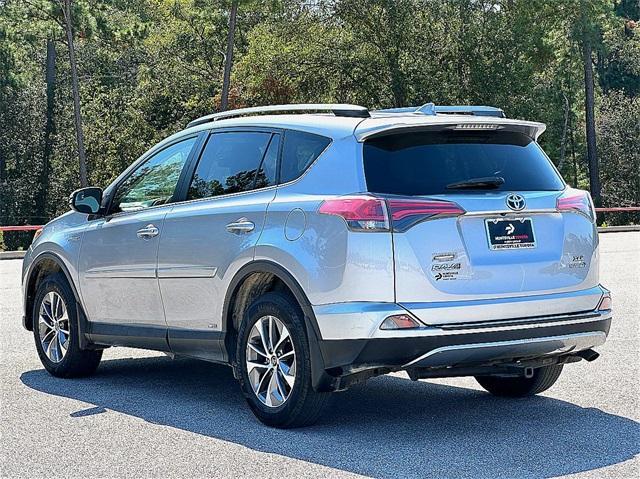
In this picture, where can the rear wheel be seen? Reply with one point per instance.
(543, 378)
(274, 364)
(55, 330)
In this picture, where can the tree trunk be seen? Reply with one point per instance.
(573, 153)
(592, 155)
(76, 94)
(228, 59)
(49, 130)
(563, 143)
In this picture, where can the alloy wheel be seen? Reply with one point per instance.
(271, 361)
(53, 326)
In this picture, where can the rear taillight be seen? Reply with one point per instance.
(362, 213)
(406, 213)
(577, 201)
(368, 213)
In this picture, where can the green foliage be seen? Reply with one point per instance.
(619, 150)
(147, 67)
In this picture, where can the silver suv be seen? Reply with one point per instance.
(314, 250)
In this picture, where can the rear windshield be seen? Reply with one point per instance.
(424, 163)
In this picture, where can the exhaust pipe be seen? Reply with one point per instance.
(588, 354)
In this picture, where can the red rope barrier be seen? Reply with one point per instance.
(621, 209)
(20, 228)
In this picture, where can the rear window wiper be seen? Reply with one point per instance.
(487, 182)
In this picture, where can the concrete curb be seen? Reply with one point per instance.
(12, 254)
(619, 229)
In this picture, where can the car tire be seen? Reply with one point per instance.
(543, 378)
(55, 330)
(279, 391)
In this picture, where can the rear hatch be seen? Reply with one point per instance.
(481, 215)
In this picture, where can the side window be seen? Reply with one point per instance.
(299, 151)
(235, 161)
(153, 182)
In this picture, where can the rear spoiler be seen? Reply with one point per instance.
(383, 126)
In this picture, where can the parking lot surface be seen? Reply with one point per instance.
(145, 415)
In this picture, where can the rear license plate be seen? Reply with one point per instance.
(510, 233)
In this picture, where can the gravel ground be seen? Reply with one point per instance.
(145, 415)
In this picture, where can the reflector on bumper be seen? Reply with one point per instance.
(399, 321)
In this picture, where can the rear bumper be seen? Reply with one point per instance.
(362, 320)
(478, 344)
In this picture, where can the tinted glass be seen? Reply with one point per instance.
(154, 182)
(299, 151)
(425, 163)
(233, 162)
(268, 169)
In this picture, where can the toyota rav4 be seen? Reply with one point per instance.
(311, 247)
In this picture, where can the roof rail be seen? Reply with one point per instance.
(431, 109)
(338, 109)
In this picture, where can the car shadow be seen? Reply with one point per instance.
(389, 427)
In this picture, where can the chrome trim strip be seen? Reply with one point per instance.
(529, 325)
(190, 271)
(545, 296)
(120, 272)
(439, 331)
(505, 214)
(564, 318)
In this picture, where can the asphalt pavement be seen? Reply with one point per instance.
(145, 415)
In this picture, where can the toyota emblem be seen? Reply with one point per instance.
(515, 201)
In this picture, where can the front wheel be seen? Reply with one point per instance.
(55, 330)
(274, 364)
(543, 378)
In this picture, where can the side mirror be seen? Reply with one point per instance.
(86, 200)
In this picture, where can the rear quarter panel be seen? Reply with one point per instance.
(331, 263)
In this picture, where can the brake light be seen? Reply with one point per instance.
(362, 213)
(367, 213)
(407, 213)
(477, 126)
(577, 201)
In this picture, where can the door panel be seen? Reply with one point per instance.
(197, 258)
(208, 239)
(118, 257)
(118, 270)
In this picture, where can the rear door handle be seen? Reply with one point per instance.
(147, 232)
(241, 225)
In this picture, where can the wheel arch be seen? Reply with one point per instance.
(259, 277)
(45, 265)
